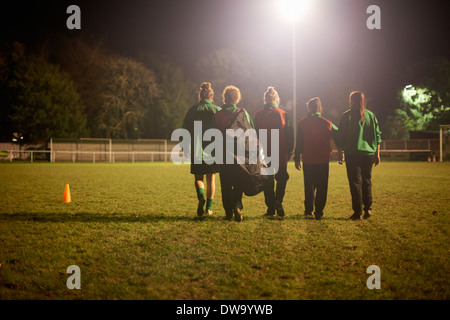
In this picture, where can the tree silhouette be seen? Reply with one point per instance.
(42, 101)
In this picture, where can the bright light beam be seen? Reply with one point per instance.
(291, 10)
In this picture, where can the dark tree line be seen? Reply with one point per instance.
(77, 89)
(38, 100)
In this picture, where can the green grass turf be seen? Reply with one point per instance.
(132, 230)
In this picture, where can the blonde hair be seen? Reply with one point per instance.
(231, 95)
(314, 105)
(206, 92)
(271, 96)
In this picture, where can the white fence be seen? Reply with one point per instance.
(90, 150)
(87, 156)
(107, 150)
(413, 145)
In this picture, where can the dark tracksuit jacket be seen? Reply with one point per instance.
(272, 117)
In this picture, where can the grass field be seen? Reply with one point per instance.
(132, 230)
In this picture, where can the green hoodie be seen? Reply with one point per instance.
(357, 137)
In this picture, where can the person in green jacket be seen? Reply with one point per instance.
(359, 139)
(203, 111)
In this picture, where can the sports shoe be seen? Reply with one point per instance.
(209, 212)
(270, 212)
(237, 215)
(367, 214)
(309, 215)
(228, 215)
(355, 216)
(279, 208)
(318, 215)
(200, 210)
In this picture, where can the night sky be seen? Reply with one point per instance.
(332, 40)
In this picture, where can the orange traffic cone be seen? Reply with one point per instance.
(66, 196)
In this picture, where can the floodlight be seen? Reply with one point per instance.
(292, 9)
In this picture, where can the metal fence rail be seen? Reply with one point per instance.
(89, 156)
(107, 150)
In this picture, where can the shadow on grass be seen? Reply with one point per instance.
(91, 217)
(115, 217)
(142, 218)
(301, 217)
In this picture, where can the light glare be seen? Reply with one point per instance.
(292, 9)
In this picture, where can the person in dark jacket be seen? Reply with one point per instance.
(314, 135)
(272, 117)
(231, 192)
(203, 111)
(359, 137)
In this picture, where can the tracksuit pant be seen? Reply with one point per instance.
(231, 194)
(272, 193)
(359, 173)
(315, 178)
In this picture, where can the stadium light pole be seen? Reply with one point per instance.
(291, 10)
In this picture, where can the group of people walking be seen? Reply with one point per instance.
(358, 138)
